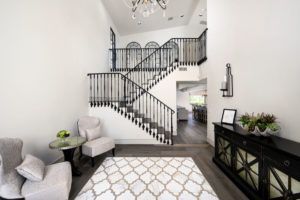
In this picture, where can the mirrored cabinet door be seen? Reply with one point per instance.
(247, 168)
(224, 148)
(279, 183)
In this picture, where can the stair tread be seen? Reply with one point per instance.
(153, 125)
(139, 115)
(146, 120)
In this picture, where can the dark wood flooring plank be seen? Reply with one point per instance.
(190, 132)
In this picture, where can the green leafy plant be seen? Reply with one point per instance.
(274, 127)
(262, 121)
(245, 119)
(63, 134)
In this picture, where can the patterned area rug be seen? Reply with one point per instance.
(147, 178)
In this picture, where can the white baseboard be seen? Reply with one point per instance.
(138, 141)
(212, 143)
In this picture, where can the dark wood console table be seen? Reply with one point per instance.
(262, 167)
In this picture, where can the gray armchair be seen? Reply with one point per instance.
(182, 113)
(56, 183)
(89, 128)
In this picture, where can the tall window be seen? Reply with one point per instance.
(197, 99)
(113, 47)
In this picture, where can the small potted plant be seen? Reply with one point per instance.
(63, 134)
(260, 124)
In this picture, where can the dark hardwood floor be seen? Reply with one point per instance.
(190, 132)
(201, 154)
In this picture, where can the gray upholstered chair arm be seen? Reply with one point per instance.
(56, 184)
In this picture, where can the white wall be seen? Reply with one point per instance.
(121, 129)
(261, 41)
(183, 99)
(47, 48)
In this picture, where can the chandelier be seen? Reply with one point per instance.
(146, 7)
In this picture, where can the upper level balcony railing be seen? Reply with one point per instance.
(124, 59)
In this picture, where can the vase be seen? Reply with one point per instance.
(263, 133)
(270, 132)
(62, 140)
(266, 133)
(256, 131)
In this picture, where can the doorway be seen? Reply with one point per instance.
(191, 112)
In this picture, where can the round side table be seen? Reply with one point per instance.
(68, 146)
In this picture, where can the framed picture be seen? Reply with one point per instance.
(228, 116)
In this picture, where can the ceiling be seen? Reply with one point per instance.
(186, 86)
(121, 16)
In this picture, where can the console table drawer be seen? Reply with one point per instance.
(287, 163)
(246, 144)
(223, 132)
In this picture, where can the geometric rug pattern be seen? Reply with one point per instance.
(147, 178)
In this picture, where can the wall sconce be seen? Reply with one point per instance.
(227, 84)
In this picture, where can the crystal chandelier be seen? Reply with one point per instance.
(146, 7)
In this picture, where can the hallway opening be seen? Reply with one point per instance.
(191, 112)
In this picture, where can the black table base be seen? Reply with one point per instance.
(68, 155)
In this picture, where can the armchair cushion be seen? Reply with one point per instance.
(32, 168)
(55, 185)
(98, 146)
(93, 133)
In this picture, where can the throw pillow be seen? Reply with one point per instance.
(94, 133)
(32, 168)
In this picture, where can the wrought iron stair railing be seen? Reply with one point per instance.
(127, 94)
(131, 100)
(124, 59)
(159, 63)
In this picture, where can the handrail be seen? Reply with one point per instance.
(145, 91)
(205, 30)
(161, 47)
(133, 69)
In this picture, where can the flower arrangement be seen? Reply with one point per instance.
(260, 124)
(63, 134)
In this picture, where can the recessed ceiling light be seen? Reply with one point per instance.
(200, 15)
(170, 18)
(181, 15)
(139, 22)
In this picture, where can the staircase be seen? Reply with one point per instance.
(164, 60)
(128, 93)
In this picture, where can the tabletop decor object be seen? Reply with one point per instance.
(263, 124)
(228, 116)
(63, 134)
